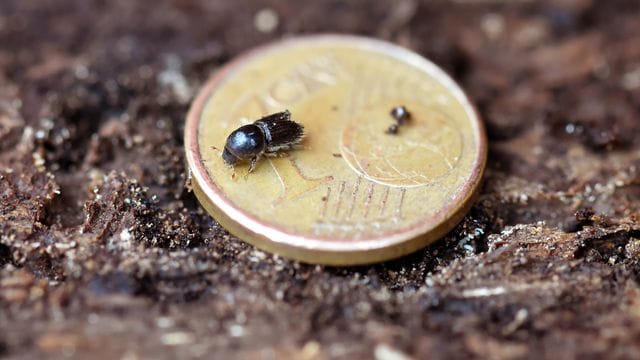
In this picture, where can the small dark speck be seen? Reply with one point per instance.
(337, 155)
(334, 108)
(324, 198)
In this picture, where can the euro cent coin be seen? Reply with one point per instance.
(352, 193)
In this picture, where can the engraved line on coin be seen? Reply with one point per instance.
(292, 181)
(354, 195)
(363, 170)
(305, 79)
(364, 89)
(373, 87)
(433, 148)
(355, 93)
(385, 197)
(340, 193)
(367, 200)
(376, 93)
(302, 78)
(376, 165)
(409, 176)
(326, 198)
(400, 203)
(344, 225)
(322, 69)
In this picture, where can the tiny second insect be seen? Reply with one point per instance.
(401, 116)
(270, 135)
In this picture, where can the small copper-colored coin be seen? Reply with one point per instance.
(353, 194)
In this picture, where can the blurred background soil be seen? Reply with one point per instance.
(104, 253)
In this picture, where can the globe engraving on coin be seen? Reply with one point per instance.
(353, 194)
(427, 151)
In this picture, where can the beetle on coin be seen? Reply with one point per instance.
(270, 135)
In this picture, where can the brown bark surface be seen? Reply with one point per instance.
(104, 252)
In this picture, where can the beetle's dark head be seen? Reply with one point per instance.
(229, 158)
(244, 143)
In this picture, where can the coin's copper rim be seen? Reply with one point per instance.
(327, 251)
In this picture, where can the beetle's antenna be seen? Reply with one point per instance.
(214, 148)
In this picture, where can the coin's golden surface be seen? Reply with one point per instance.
(352, 194)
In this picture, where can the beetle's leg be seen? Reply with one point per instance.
(252, 166)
